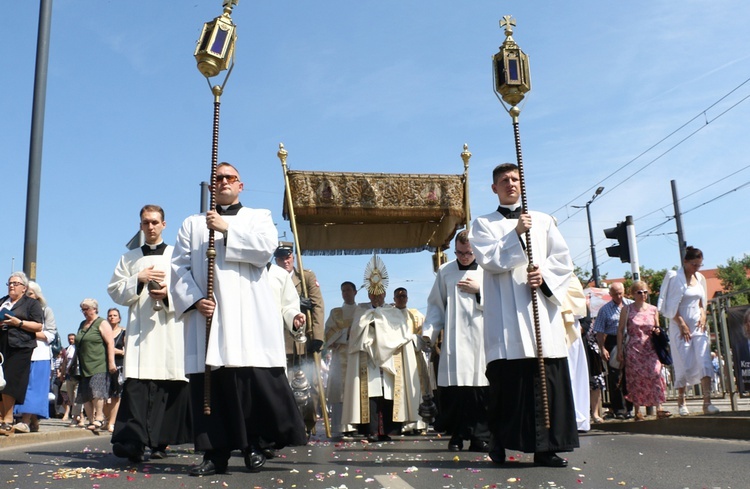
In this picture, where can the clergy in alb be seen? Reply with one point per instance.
(250, 397)
(516, 410)
(382, 366)
(337, 340)
(454, 307)
(155, 406)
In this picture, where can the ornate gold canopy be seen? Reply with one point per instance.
(362, 213)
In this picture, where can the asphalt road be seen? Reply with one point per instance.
(605, 460)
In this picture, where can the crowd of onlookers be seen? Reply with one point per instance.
(45, 379)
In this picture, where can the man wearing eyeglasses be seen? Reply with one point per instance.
(249, 396)
(155, 407)
(454, 307)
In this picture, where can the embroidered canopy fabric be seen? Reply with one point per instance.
(362, 213)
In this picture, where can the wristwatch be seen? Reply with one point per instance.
(20, 324)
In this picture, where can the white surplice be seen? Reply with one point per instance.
(508, 318)
(285, 294)
(245, 330)
(154, 339)
(459, 315)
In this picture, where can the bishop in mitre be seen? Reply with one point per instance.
(382, 389)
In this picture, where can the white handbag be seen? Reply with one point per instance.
(2, 374)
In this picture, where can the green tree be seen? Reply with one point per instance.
(734, 278)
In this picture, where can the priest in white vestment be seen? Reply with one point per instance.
(337, 340)
(250, 397)
(155, 406)
(382, 365)
(415, 319)
(454, 307)
(516, 408)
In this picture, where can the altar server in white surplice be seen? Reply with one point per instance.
(155, 406)
(250, 396)
(454, 307)
(516, 415)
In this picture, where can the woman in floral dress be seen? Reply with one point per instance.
(646, 385)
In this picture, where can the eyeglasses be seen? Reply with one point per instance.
(14, 284)
(464, 253)
(229, 178)
(84, 309)
(642, 292)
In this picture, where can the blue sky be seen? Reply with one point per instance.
(387, 86)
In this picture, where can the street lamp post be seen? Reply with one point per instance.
(595, 267)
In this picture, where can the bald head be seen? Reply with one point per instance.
(616, 292)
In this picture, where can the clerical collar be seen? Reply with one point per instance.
(471, 266)
(229, 210)
(510, 211)
(157, 249)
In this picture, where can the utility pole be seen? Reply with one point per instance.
(678, 220)
(594, 266)
(31, 236)
(634, 264)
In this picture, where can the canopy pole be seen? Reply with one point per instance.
(282, 154)
(466, 156)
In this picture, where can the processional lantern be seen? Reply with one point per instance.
(511, 67)
(215, 50)
(214, 54)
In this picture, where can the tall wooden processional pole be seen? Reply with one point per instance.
(214, 54)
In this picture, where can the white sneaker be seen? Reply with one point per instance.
(707, 409)
(683, 410)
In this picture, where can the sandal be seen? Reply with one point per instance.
(639, 417)
(95, 426)
(6, 429)
(663, 414)
(597, 420)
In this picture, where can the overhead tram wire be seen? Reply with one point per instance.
(702, 113)
(649, 233)
(701, 189)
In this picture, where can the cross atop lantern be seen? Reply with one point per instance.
(511, 67)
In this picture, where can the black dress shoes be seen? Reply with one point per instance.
(497, 455)
(130, 451)
(208, 467)
(549, 459)
(456, 444)
(159, 453)
(269, 453)
(480, 446)
(254, 459)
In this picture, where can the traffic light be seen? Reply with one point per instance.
(622, 249)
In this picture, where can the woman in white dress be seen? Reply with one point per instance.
(683, 300)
